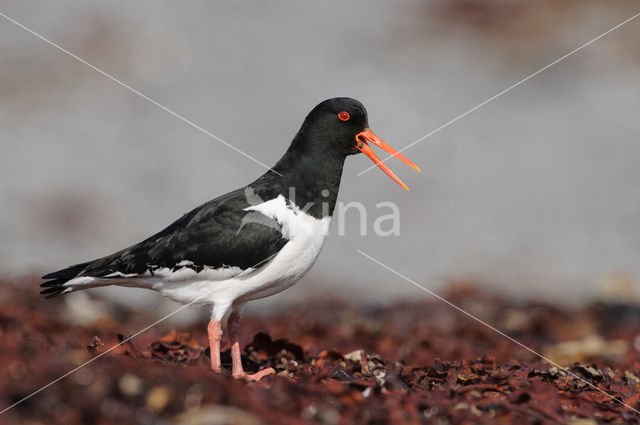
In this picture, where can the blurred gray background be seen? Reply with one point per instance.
(535, 194)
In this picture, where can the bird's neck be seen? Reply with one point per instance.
(309, 177)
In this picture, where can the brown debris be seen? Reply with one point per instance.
(413, 363)
(94, 347)
(176, 347)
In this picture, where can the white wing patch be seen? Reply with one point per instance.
(207, 273)
(293, 220)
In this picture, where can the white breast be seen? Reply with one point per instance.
(306, 236)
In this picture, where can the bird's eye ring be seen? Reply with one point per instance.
(344, 116)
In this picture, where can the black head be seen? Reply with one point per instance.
(333, 130)
(339, 127)
(333, 125)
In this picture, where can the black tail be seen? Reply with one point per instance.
(56, 280)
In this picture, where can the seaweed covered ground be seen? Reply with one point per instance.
(420, 362)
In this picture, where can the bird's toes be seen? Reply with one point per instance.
(256, 376)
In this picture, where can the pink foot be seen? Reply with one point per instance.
(256, 376)
(237, 371)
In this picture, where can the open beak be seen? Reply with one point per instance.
(368, 136)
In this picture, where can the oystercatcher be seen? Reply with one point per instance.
(250, 243)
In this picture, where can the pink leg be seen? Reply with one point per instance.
(215, 335)
(234, 337)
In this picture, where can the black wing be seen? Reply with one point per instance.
(216, 234)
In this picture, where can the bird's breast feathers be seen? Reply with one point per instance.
(295, 222)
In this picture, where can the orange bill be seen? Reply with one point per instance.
(369, 136)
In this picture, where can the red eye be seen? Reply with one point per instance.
(344, 116)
